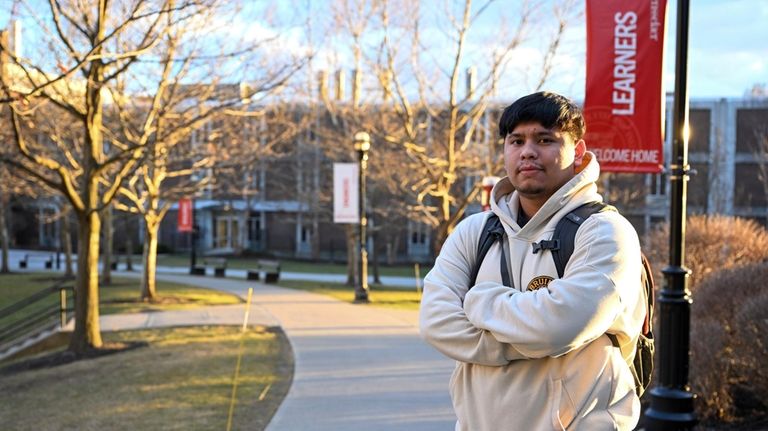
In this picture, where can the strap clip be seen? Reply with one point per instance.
(553, 244)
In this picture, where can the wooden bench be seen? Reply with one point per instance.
(48, 260)
(219, 265)
(270, 268)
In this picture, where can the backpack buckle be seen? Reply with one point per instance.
(553, 244)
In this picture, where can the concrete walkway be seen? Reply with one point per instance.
(357, 367)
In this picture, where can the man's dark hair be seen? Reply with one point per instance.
(548, 109)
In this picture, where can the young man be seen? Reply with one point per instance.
(535, 355)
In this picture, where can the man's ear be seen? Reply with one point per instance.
(580, 150)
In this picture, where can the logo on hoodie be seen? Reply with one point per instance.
(539, 282)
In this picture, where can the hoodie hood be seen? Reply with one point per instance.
(580, 189)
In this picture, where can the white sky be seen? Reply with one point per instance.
(727, 52)
(728, 45)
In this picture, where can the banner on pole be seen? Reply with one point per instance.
(346, 205)
(624, 102)
(184, 223)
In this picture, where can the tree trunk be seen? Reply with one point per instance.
(106, 253)
(4, 242)
(87, 334)
(128, 244)
(129, 251)
(375, 256)
(66, 241)
(149, 276)
(441, 234)
(316, 237)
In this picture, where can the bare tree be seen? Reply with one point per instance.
(76, 78)
(446, 133)
(191, 130)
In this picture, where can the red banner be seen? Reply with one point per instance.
(624, 102)
(184, 223)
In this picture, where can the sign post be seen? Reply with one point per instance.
(186, 223)
(346, 193)
(185, 220)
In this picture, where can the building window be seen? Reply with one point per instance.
(226, 232)
(750, 128)
(254, 227)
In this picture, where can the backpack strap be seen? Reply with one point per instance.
(564, 238)
(648, 286)
(492, 231)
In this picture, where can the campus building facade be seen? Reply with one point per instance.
(285, 216)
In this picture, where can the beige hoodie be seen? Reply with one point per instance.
(534, 356)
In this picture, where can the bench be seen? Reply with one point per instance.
(219, 265)
(48, 260)
(270, 268)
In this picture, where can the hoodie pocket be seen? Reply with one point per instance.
(563, 408)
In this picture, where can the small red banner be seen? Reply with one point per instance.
(624, 101)
(185, 215)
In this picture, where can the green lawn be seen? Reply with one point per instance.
(182, 380)
(122, 296)
(379, 295)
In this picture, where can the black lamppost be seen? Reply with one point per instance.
(362, 145)
(671, 399)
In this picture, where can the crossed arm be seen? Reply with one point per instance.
(492, 324)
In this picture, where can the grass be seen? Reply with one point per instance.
(295, 266)
(122, 296)
(379, 295)
(181, 381)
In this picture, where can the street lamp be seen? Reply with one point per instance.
(362, 145)
(672, 402)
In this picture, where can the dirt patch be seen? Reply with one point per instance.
(165, 300)
(65, 357)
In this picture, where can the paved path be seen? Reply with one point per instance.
(357, 367)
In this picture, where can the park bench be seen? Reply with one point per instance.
(270, 268)
(47, 259)
(219, 265)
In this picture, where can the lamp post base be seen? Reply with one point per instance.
(671, 409)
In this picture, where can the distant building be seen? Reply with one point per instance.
(283, 216)
(728, 153)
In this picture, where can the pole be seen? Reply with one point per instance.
(63, 307)
(233, 397)
(193, 236)
(671, 399)
(417, 273)
(362, 145)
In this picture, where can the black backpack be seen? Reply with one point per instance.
(561, 246)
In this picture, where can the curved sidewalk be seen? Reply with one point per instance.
(357, 367)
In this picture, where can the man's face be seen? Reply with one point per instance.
(539, 160)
